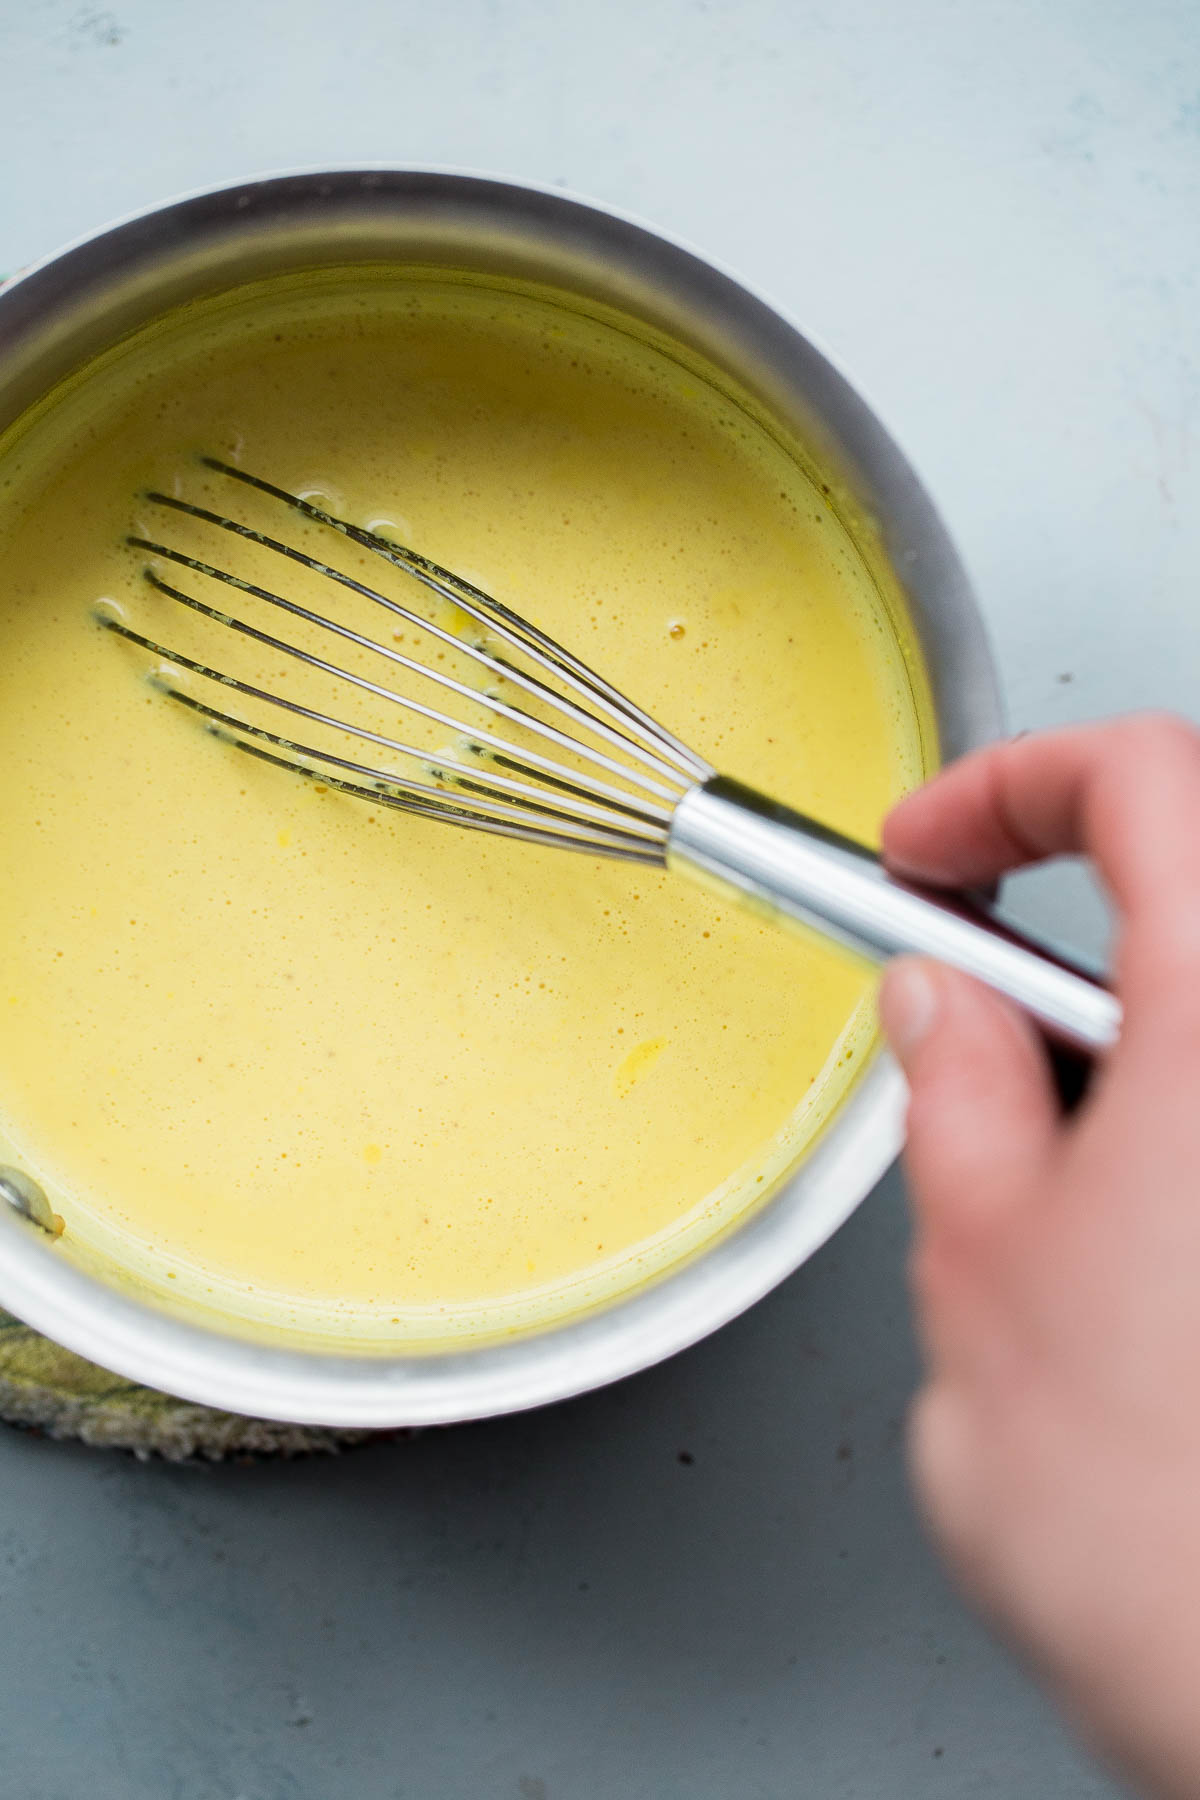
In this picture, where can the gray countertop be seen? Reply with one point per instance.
(706, 1583)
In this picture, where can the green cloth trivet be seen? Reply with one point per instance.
(54, 1391)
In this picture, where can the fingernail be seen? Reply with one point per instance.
(908, 1005)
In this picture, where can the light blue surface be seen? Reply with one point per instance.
(989, 213)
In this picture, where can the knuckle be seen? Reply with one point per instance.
(943, 1094)
(927, 1274)
(924, 1111)
(952, 1470)
(935, 1153)
(1162, 735)
(1179, 944)
(941, 1446)
(1167, 971)
(1159, 959)
(944, 1281)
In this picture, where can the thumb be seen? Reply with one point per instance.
(982, 1113)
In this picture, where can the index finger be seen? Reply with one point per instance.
(1126, 794)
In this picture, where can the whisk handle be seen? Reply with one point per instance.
(790, 867)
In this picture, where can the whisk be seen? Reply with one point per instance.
(564, 759)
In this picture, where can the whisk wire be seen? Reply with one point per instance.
(457, 815)
(473, 734)
(462, 689)
(491, 613)
(619, 819)
(619, 803)
(505, 670)
(411, 795)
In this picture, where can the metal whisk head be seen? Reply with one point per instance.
(561, 758)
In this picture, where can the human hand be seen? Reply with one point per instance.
(1055, 1444)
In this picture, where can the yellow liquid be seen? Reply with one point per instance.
(311, 1061)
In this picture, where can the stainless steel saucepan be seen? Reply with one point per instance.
(59, 315)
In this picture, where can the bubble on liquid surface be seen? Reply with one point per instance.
(168, 676)
(325, 499)
(393, 526)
